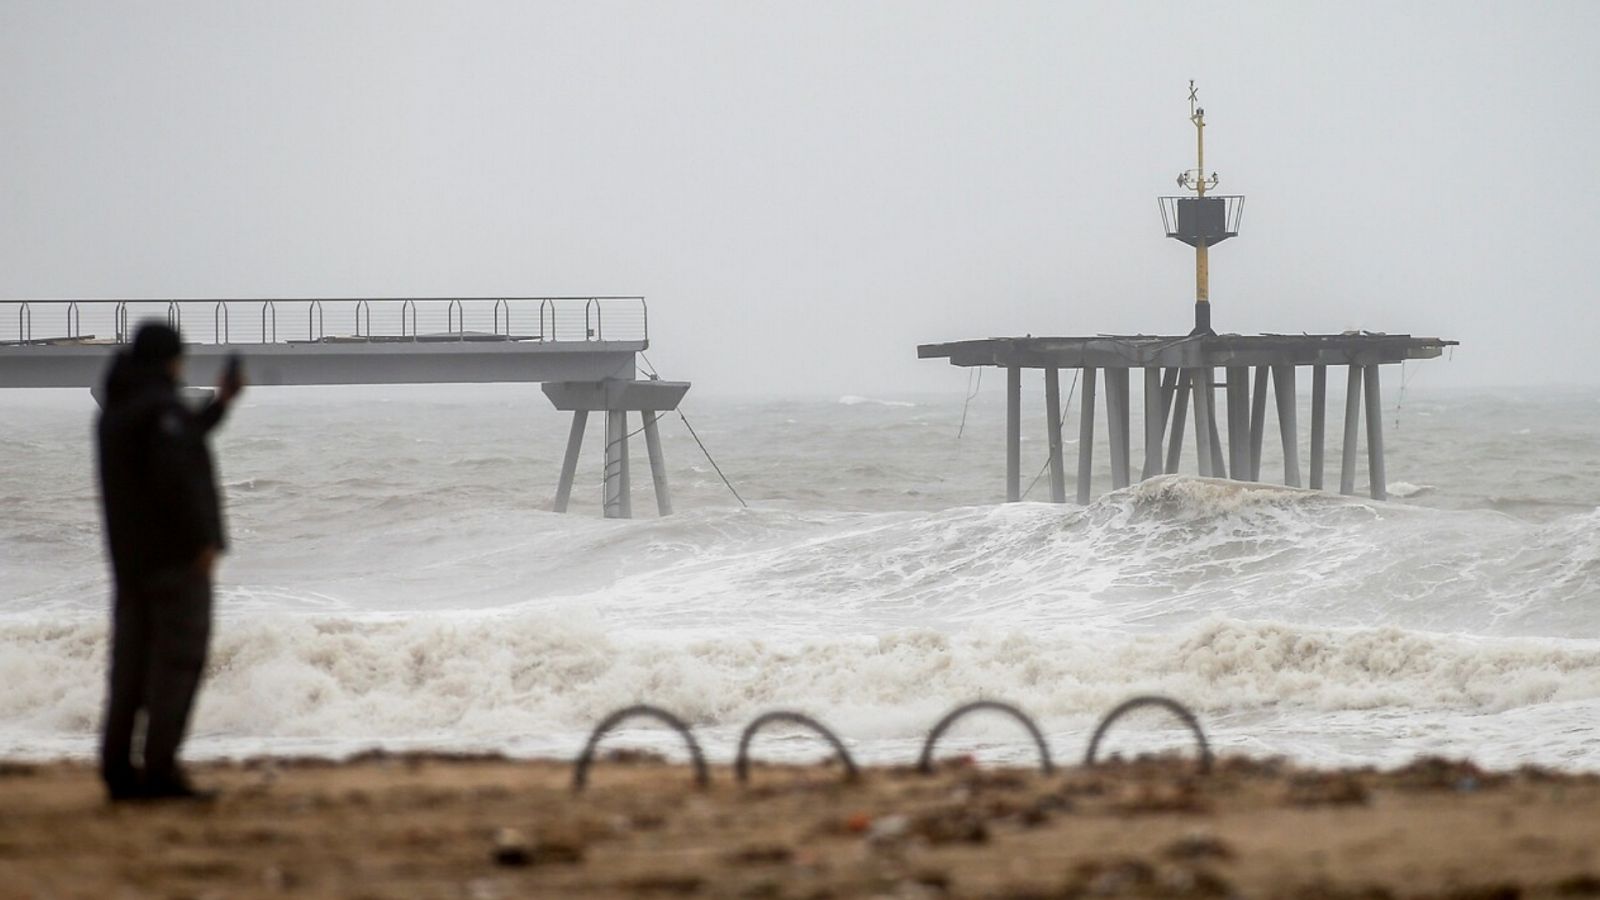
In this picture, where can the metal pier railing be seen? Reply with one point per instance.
(329, 320)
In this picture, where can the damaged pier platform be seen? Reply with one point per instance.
(582, 350)
(1180, 372)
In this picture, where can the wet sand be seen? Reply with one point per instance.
(383, 826)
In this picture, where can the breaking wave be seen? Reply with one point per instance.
(500, 676)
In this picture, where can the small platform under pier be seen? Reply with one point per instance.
(1182, 372)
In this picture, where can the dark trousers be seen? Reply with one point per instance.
(160, 630)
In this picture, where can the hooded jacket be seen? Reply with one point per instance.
(157, 485)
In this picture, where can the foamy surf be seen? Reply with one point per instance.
(502, 680)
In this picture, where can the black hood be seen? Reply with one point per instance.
(128, 376)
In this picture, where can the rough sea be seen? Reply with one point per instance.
(397, 580)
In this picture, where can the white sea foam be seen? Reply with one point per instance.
(858, 400)
(1405, 489)
(497, 678)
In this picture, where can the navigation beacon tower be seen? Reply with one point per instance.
(1201, 221)
(1180, 371)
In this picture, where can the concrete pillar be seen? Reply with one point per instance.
(1154, 422)
(1180, 410)
(1086, 436)
(618, 504)
(1169, 389)
(1319, 422)
(1376, 476)
(1258, 420)
(658, 463)
(1117, 425)
(627, 469)
(1052, 414)
(1288, 426)
(1013, 434)
(1219, 463)
(569, 463)
(1352, 424)
(1239, 422)
(1204, 423)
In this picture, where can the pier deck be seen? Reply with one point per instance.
(582, 349)
(1189, 351)
(66, 343)
(1179, 370)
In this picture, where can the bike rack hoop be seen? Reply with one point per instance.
(580, 772)
(1167, 703)
(741, 764)
(925, 764)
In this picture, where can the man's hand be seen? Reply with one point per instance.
(232, 380)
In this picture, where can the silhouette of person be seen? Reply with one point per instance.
(163, 523)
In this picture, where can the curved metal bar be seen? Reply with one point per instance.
(24, 333)
(120, 318)
(175, 316)
(551, 334)
(451, 314)
(741, 764)
(74, 320)
(411, 305)
(1172, 706)
(593, 328)
(219, 322)
(315, 329)
(362, 306)
(580, 773)
(267, 306)
(497, 306)
(925, 764)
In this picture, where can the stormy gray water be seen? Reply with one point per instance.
(398, 580)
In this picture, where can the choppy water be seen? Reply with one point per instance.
(397, 580)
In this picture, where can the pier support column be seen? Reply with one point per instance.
(1258, 420)
(1154, 422)
(1219, 463)
(1013, 434)
(1376, 476)
(1117, 425)
(1205, 423)
(569, 463)
(1352, 425)
(658, 463)
(1180, 410)
(1288, 426)
(1319, 422)
(618, 503)
(1239, 422)
(1086, 436)
(1169, 389)
(1052, 414)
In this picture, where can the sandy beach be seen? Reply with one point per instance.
(388, 826)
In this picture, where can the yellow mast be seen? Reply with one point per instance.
(1202, 266)
(1201, 220)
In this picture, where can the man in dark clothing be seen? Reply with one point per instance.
(164, 529)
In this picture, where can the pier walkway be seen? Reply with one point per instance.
(582, 349)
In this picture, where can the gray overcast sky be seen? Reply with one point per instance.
(806, 191)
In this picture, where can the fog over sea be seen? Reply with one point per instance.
(397, 580)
